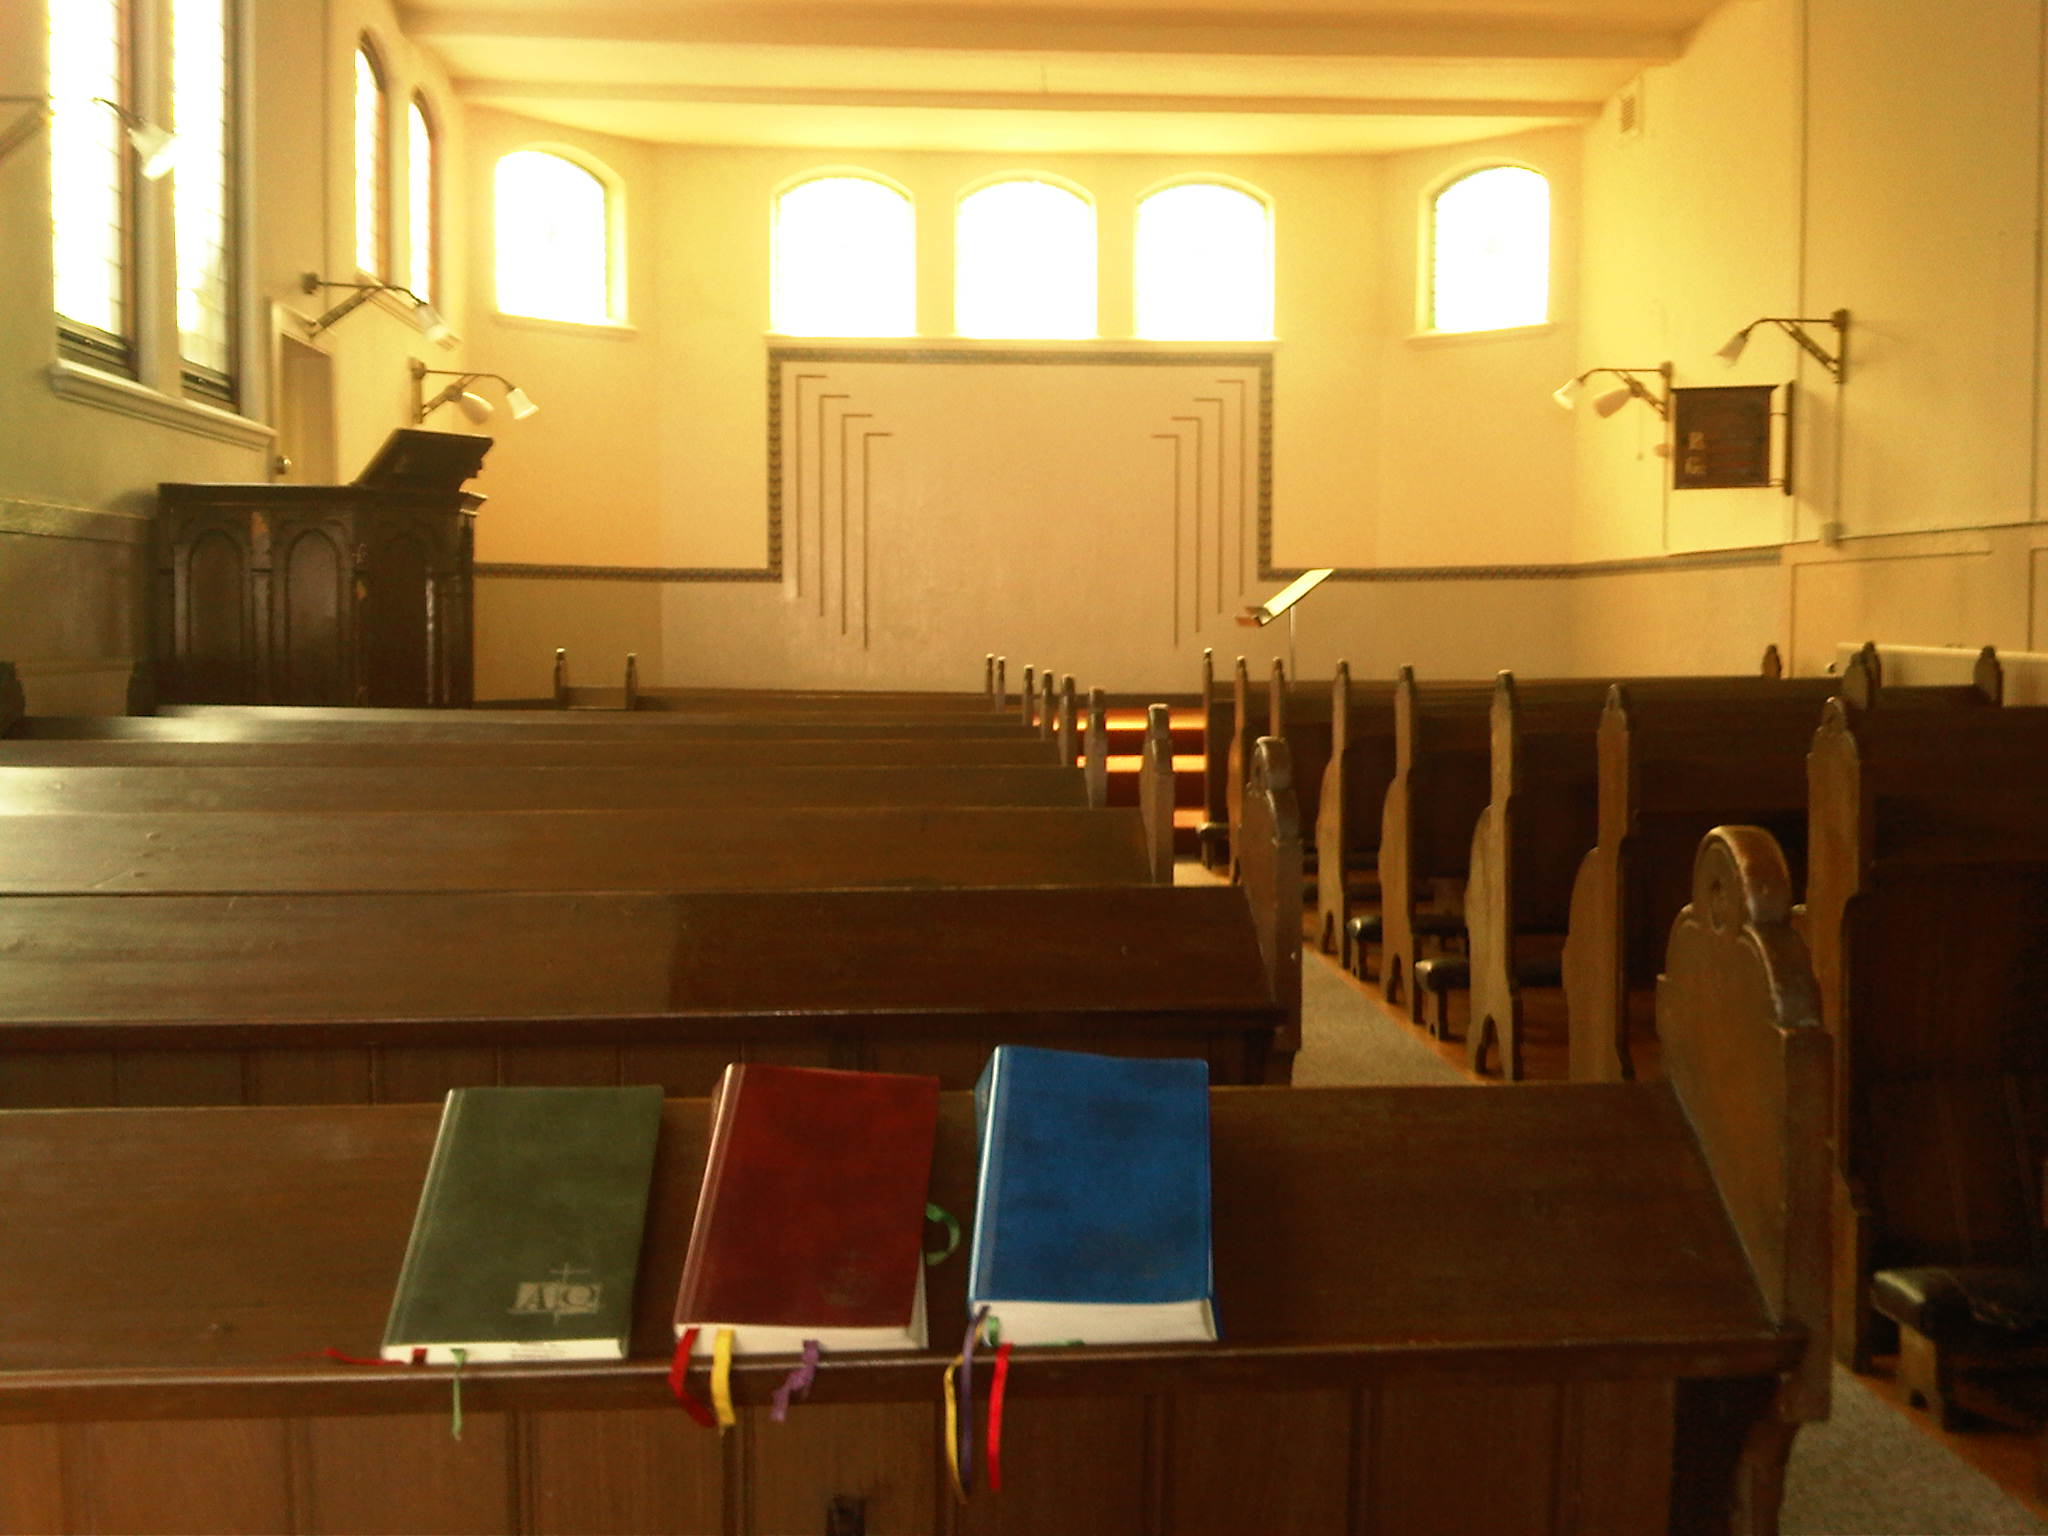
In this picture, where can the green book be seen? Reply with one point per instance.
(529, 1226)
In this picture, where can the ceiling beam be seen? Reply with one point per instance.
(980, 29)
(529, 92)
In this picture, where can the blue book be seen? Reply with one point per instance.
(1091, 1219)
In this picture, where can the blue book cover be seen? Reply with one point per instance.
(1091, 1215)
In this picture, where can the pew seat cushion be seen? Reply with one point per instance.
(1442, 973)
(1366, 928)
(1964, 1303)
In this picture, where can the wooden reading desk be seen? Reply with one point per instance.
(1444, 1310)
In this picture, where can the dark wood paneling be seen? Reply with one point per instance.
(407, 1473)
(1288, 1472)
(315, 612)
(635, 1472)
(1453, 1459)
(883, 1454)
(1047, 1487)
(206, 1477)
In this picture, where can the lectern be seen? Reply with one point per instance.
(322, 594)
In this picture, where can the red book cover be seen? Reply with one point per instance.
(811, 1220)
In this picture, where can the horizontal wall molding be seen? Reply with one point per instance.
(514, 570)
(1642, 566)
(55, 520)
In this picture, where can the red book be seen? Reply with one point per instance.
(811, 1220)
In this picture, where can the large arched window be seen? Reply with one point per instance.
(1490, 251)
(845, 259)
(1204, 265)
(555, 240)
(1024, 262)
(91, 202)
(202, 67)
(373, 163)
(423, 201)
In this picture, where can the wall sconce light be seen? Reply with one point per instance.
(424, 315)
(471, 404)
(1631, 387)
(156, 147)
(1836, 362)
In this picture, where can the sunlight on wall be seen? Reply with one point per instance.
(1204, 265)
(1491, 258)
(554, 240)
(1024, 263)
(845, 259)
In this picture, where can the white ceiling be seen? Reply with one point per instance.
(1130, 76)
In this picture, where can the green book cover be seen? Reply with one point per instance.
(529, 1225)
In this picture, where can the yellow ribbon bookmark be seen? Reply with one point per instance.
(721, 1379)
(953, 1432)
(455, 1393)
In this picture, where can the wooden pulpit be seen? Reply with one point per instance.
(322, 594)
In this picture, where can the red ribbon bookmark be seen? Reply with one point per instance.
(678, 1368)
(997, 1381)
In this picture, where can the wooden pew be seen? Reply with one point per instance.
(225, 852)
(1927, 913)
(1300, 717)
(1670, 770)
(1630, 1345)
(1445, 778)
(1218, 712)
(1440, 785)
(500, 788)
(1542, 817)
(251, 722)
(385, 984)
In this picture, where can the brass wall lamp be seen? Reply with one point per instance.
(156, 147)
(1631, 387)
(459, 394)
(1836, 362)
(423, 314)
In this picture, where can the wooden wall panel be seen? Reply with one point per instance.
(883, 1453)
(1047, 1487)
(1617, 1467)
(405, 1473)
(207, 1477)
(684, 1071)
(564, 1066)
(1289, 1469)
(57, 1080)
(149, 1079)
(1451, 1459)
(405, 1075)
(31, 1479)
(646, 1472)
(309, 1077)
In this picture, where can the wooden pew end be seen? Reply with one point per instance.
(1436, 978)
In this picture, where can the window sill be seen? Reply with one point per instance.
(601, 330)
(1462, 338)
(108, 392)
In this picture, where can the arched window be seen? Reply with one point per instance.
(373, 161)
(1204, 265)
(423, 201)
(1490, 251)
(555, 240)
(845, 259)
(1024, 262)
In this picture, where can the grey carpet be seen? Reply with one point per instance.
(1868, 1471)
